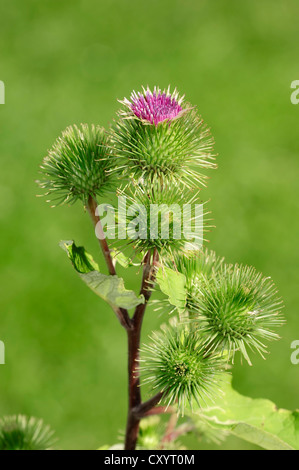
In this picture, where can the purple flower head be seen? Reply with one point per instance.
(156, 106)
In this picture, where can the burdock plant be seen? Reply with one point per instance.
(157, 156)
(23, 433)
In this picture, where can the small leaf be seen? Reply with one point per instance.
(125, 261)
(82, 261)
(109, 288)
(255, 420)
(173, 284)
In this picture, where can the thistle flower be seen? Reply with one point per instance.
(178, 365)
(155, 218)
(22, 433)
(78, 165)
(236, 310)
(158, 136)
(155, 107)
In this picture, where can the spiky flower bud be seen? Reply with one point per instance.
(195, 266)
(78, 165)
(178, 364)
(234, 308)
(157, 217)
(22, 433)
(237, 309)
(159, 136)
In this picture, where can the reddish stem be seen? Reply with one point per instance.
(133, 421)
(137, 409)
(149, 407)
(121, 313)
(92, 207)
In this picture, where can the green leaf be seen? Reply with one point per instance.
(82, 261)
(173, 284)
(109, 288)
(125, 261)
(258, 421)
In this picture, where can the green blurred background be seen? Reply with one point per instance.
(67, 62)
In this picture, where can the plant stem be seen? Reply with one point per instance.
(121, 313)
(137, 409)
(92, 206)
(149, 407)
(134, 335)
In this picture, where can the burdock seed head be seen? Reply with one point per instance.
(23, 433)
(78, 165)
(159, 136)
(177, 364)
(237, 309)
(155, 218)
